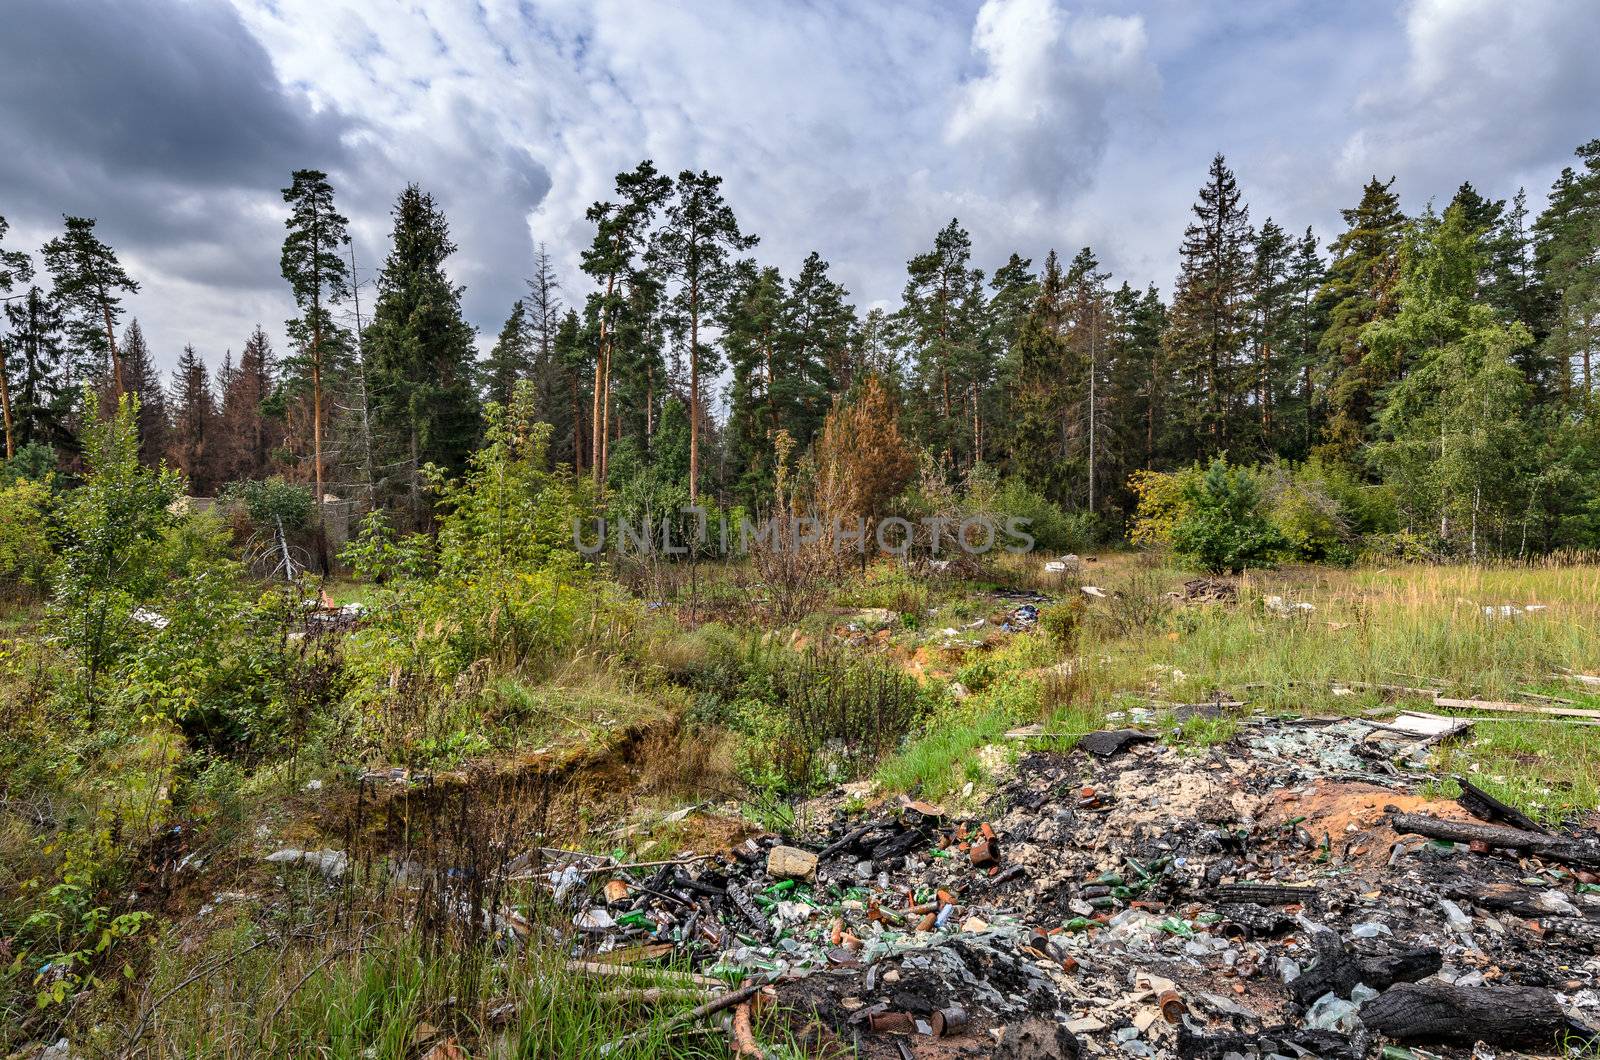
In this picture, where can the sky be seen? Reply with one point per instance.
(856, 128)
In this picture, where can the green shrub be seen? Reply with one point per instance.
(25, 551)
(1223, 528)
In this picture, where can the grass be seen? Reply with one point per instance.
(384, 996)
(1416, 626)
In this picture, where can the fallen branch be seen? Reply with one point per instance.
(629, 971)
(1555, 848)
(678, 1022)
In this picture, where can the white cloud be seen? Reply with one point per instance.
(1040, 115)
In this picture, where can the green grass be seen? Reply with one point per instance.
(1420, 626)
(391, 999)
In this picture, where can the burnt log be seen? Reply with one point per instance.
(1337, 970)
(844, 842)
(1510, 898)
(899, 846)
(1510, 1016)
(749, 910)
(1281, 1041)
(1486, 807)
(1552, 848)
(1261, 894)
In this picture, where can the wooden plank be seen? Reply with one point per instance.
(1513, 708)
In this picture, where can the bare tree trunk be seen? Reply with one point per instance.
(5, 405)
(694, 392)
(116, 360)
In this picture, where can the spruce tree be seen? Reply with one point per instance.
(1567, 253)
(1270, 331)
(314, 266)
(1359, 291)
(695, 249)
(420, 355)
(249, 433)
(511, 358)
(15, 267)
(142, 379)
(1210, 307)
(191, 442)
(544, 313)
(88, 284)
(942, 328)
(38, 366)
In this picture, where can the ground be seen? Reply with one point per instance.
(1264, 699)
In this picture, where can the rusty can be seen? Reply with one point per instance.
(949, 1021)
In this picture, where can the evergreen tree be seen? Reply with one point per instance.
(1451, 434)
(544, 313)
(249, 433)
(621, 229)
(818, 333)
(694, 249)
(575, 356)
(1041, 356)
(42, 391)
(760, 400)
(942, 327)
(1359, 290)
(511, 359)
(88, 284)
(1301, 340)
(420, 355)
(1210, 310)
(1567, 253)
(15, 267)
(142, 379)
(315, 269)
(1272, 297)
(190, 443)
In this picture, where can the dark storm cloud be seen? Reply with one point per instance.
(102, 102)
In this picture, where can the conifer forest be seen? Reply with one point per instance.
(1056, 651)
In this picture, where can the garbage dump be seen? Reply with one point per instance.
(1290, 893)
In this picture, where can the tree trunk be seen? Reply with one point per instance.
(1554, 848)
(694, 392)
(5, 405)
(111, 338)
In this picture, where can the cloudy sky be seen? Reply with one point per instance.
(853, 127)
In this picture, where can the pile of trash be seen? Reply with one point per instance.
(1288, 894)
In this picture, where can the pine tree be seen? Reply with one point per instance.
(88, 284)
(576, 356)
(190, 443)
(759, 400)
(419, 349)
(694, 248)
(818, 334)
(621, 229)
(315, 269)
(1088, 341)
(1210, 306)
(1359, 291)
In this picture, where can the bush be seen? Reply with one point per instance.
(1053, 530)
(1162, 503)
(1223, 528)
(25, 552)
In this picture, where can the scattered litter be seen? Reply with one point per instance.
(331, 863)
